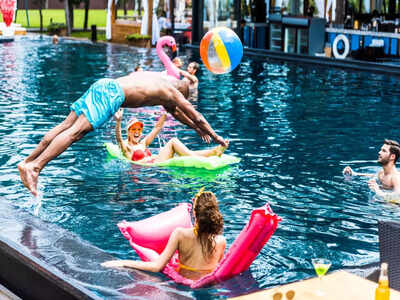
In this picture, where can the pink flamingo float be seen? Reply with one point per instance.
(7, 8)
(169, 41)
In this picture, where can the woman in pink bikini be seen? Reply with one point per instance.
(136, 147)
(200, 248)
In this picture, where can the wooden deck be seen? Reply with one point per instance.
(338, 285)
(120, 28)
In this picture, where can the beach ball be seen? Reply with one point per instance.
(221, 50)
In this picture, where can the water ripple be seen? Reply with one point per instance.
(295, 128)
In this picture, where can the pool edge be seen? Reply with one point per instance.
(30, 278)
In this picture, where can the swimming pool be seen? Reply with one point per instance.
(295, 128)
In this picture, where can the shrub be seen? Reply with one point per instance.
(55, 28)
(136, 36)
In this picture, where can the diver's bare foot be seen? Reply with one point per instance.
(21, 168)
(29, 177)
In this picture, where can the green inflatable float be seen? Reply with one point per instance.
(209, 163)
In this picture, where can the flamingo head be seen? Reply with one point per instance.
(167, 41)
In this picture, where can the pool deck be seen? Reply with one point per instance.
(334, 286)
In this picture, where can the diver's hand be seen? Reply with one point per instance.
(206, 138)
(118, 115)
(113, 264)
(348, 171)
(221, 141)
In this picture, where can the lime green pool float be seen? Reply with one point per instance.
(209, 163)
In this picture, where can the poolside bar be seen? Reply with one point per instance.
(364, 30)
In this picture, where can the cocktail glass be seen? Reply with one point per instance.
(321, 266)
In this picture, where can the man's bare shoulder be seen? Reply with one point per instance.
(395, 176)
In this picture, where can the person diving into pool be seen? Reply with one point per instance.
(388, 177)
(136, 148)
(101, 101)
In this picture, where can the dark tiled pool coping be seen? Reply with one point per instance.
(40, 260)
(30, 278)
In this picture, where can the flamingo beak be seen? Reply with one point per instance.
(174, 48)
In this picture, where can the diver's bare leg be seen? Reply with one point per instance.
(30, 171)
(50, 135)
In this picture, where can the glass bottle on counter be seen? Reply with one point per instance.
(356, 25)
(382, 292)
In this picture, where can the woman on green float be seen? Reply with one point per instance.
(136, 147)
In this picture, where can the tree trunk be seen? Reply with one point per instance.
(67, 18)
(150, 17)
(125, 9)
(85, 24)
(340, 12)
(140, 8)
(71, 14)
(41, 18)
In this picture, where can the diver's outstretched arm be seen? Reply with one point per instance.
(197, 118)
(156, 130)
(181, 117)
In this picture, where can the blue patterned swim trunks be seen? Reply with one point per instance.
(100, 102)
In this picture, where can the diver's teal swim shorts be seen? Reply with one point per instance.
(100, 102)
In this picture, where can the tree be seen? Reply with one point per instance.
(125, 7)
(41, 4)
(68, 17)
(85, 24)
(69, 13)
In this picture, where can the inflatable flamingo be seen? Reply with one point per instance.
(7, 8)
(169, 41)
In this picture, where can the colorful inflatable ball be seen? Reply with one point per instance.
(221, 50)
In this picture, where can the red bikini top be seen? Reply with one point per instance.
(140, 154)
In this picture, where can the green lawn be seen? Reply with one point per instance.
(96, 17)
(101, 36)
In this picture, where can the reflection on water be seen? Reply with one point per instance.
(295, 128)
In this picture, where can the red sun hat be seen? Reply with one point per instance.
(134, 121)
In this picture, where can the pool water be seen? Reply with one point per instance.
(294, 126)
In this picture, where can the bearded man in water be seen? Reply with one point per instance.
(388, 177)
